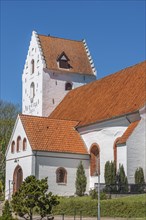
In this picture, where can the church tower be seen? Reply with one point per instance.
(53, 67)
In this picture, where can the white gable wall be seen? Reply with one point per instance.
(136, 150)
(47, 164)
(34, 53)
(49, 86)
(24, 158)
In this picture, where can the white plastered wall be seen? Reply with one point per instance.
(22, 158)
(122, 157)
(49, 86)
(47, 164)
(136, 149)
(34, 53)
(54, 87)
(105, 135)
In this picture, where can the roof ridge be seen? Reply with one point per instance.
(47, 117)
(60, 38)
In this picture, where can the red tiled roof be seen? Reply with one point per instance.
(75, 50)
(112, 96)
(46, 134)
(128, 132)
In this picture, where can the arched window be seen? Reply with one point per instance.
(94, 160)
(32, 91)
(32, 66)
(13, 147)
(18, 143)
(61, 175)
(17, 178)
(24, 144)
(68, 86)
(115, 151)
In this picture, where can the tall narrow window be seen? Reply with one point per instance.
(68, 86)
(13, 147)
(32, 66)
(32, 91)
(61, 175)
(24, 144)
(18, 143)
(94, 160)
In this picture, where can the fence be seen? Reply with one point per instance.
(122, 188)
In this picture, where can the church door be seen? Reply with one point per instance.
(17, 178)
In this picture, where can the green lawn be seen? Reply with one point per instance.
(126, 207)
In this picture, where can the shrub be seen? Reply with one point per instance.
(81, 180)
(122, 180)
(110, 176)
(139, 179)
(94, 194)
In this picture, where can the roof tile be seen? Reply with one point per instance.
(109, 97)
(53, 47)
(128, 132)
(46, 134)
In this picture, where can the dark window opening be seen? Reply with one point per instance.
(63, 64)
(61, 175)
(68, 86)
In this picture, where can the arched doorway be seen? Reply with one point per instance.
(17, 178)
(94, 160)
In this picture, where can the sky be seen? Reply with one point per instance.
(114, 31)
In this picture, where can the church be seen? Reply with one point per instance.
(69, 116)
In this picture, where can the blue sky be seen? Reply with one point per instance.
(114, 31)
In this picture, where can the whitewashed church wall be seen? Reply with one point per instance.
(105, 139)
(122, 157)
(136, 147)
(22, 158)
(54, 88)
(47, 164)
(33, 106)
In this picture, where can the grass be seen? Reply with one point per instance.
(126, 207)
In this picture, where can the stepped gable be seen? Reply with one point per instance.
(77, 52)
(51, 135)
(117, 94)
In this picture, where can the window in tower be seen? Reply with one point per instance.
(63, 61)
(32, 91)
(32, 66)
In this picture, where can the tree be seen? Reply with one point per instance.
(110, 176)
(122, 180)
(8, 114)
(31, 196)
(81, 180)
(139, 179)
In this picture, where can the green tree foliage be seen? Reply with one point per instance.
(122, 180)
(1, 187)
(8, 114)
(110, 176)
(31, 196)
(81, 180)
(7, 213)
(139, 179)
